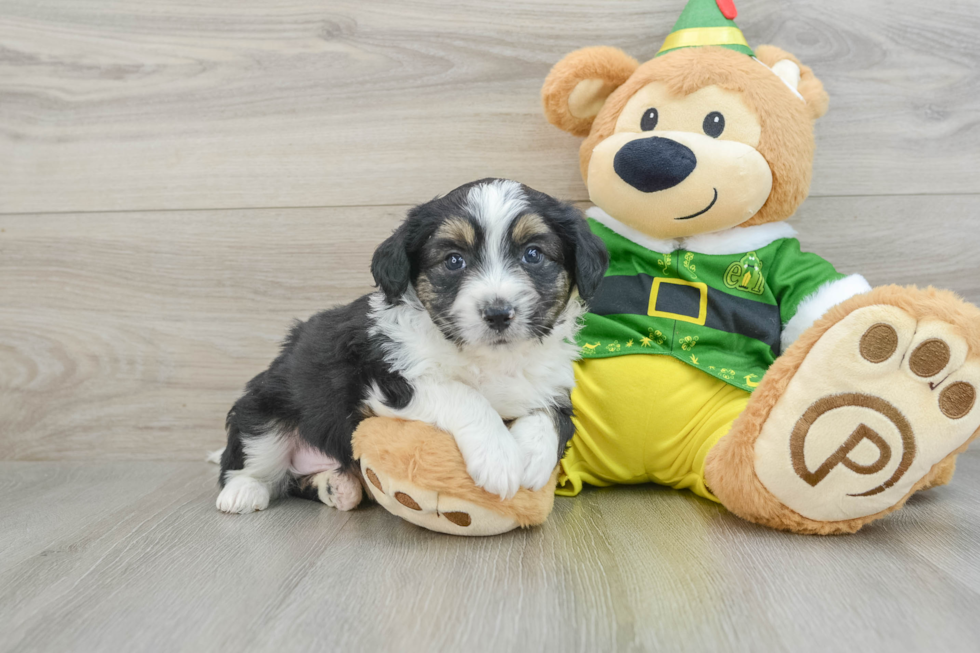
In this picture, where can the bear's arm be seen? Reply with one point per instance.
(806, 286)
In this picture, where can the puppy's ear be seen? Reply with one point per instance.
(591, 259)
(391, 266)
(578, 85)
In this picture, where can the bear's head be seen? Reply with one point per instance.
(703, 137)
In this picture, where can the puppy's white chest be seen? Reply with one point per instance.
(516, 391)
(511, 396)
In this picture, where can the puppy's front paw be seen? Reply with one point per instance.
(538, 441)
(497, 466)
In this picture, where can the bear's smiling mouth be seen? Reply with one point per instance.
(704, 210)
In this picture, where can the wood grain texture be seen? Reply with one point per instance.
(133, 556)
(130, 322)
(112, 105)
(128, 336)
(144, 328)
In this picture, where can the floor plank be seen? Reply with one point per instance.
(128, 335)
(133, 556)
(110, 105)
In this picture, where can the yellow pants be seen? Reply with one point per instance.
(645, 418)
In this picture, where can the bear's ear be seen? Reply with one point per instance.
(797, 76)
(578, 85)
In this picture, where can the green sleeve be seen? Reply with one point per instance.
(795, 275)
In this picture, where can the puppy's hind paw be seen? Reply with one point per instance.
(338, 489)
(243, 494)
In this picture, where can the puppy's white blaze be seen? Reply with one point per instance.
(495, 205)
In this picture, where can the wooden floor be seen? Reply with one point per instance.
(133, 557)
(180, 180)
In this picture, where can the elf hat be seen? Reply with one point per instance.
(707, 22)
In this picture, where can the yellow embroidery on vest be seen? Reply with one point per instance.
(688, 258)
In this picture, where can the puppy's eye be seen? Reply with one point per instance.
(714, 124)
(649, 119)
(532, 256)
(455, 262)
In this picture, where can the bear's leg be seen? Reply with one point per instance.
(415, 471)
(872, 403)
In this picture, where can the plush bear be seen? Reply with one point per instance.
(717, 356)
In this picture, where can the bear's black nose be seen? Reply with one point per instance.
(655, 163)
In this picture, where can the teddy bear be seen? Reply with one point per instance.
(718, 356)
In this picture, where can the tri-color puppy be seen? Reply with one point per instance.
(472, 326)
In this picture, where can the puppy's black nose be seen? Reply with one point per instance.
(498, 315)
(655, 163)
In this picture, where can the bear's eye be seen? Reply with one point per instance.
(455, 262)
(714, 124)
(649, 119)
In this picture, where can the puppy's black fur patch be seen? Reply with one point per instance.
(316, 386)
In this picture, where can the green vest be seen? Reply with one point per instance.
(721, 313)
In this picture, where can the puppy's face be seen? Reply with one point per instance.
(493, 262)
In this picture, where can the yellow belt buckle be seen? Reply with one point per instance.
(702, 306)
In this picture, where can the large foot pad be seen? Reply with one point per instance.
(415, 471)
(433, 510)
(877, 402)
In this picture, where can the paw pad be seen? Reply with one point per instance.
(458, 518)
(374, 479)
(957, 400)
(929, 358)
(407, 501)
(879, 343)
(880, 399)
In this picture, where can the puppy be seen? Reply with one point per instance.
(472, 326)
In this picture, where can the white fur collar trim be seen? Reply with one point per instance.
(736, 240)
(629, 233)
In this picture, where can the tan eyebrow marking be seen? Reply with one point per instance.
(528, 226)
(458, 230)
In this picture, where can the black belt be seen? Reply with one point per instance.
(688, 301)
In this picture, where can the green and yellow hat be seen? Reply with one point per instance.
(707, 22)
